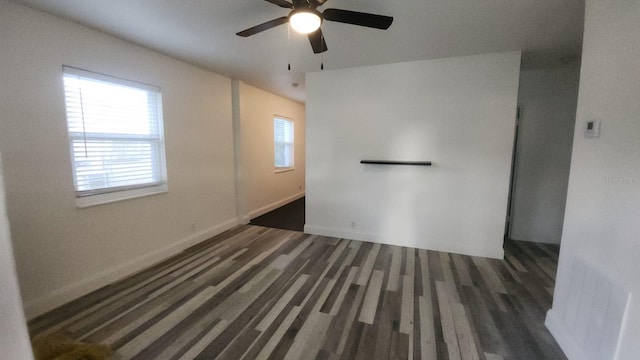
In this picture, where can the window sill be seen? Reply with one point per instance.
(281, 170)
(101, 199)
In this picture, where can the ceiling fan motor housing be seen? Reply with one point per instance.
(305, 20)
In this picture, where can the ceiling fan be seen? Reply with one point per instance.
(306, 19)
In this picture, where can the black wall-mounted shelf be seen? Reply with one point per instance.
(396, 162)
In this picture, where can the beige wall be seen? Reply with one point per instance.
(264, 189)
(63, 251)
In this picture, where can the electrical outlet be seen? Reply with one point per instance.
(193, 227)
(353, 224)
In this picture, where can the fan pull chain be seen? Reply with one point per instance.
(288, 47)
(322, 53)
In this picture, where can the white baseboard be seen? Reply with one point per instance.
(563, 338)
(265, 209)
(85, 286)
(539, 242)
(372, 237)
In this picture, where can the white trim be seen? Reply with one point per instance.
(292, 144)
(563, 338)
(538, 242)
(155, 139)
(108, 79)
(376, 238)
(73, 291)
(265, 209)
(283, 169)
(108, 198)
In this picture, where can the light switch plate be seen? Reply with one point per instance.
(592, 128)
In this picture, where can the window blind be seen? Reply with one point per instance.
(283, 139)
(115, 133)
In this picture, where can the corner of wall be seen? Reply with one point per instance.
(14, 337)
(240, 185)
(562, 336)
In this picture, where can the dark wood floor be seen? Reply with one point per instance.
(259, 293)
(288, 217)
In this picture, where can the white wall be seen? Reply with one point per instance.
(548, 99)
(601, 220)
(63, 251)
(457, 112)
(264, 189)
(14, 339)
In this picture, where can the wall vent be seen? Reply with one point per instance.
(588, 313)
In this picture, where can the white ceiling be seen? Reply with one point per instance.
(202, 32)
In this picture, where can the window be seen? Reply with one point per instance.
(116, 137)
(283, 138)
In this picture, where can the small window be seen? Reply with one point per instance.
(115, 135)
(283, 137)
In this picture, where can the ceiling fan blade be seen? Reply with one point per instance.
(262, 27)
(281, 3)
(358, 18)
(317, 42)
(318, 3)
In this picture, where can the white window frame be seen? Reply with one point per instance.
(114, 194)
(291, 144)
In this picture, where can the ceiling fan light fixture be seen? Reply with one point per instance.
(305, 21)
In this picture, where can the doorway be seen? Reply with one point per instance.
(545, 125)
(289, 217)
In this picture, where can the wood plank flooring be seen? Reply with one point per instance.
(260, 293)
